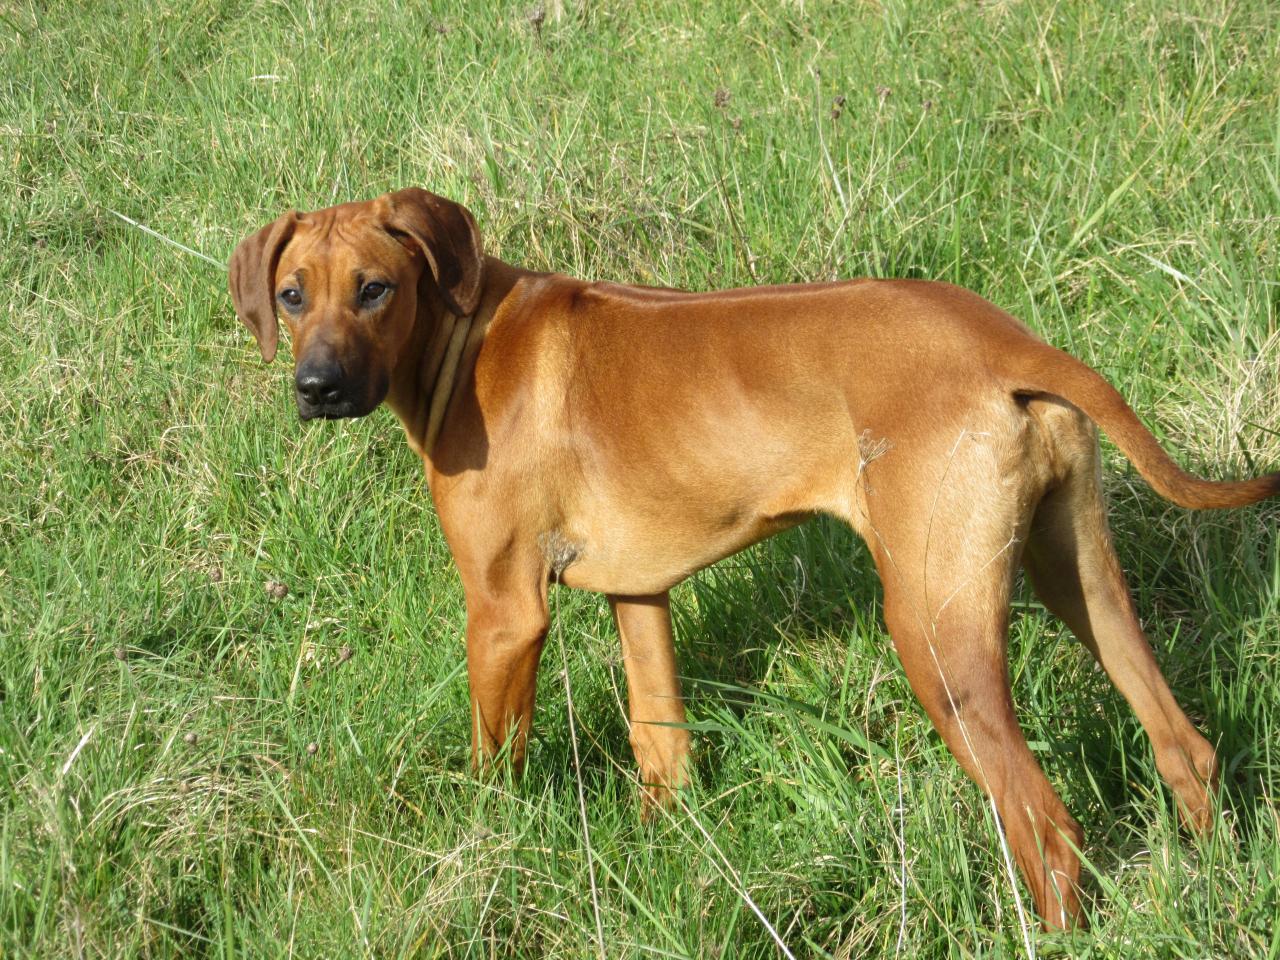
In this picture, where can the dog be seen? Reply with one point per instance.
(619, 438)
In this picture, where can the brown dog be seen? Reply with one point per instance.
(620, 438)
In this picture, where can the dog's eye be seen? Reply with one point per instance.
(290, 297)
(372, 292)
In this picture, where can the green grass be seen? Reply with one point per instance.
(1110, 175)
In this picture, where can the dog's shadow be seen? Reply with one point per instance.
(735, 619)
(732, 621)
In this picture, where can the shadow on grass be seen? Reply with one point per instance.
(818, 581)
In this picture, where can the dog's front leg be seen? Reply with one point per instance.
(505, 634)
(653, 689)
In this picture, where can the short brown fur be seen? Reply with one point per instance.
(621, 438)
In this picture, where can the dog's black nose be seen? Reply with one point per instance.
(319, 383)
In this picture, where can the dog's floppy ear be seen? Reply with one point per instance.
(252, 277)
(447, 236)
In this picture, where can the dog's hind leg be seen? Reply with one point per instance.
(957, 664)
(946, 538)
(1074, 570)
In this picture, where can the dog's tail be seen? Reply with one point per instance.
(1044, 369)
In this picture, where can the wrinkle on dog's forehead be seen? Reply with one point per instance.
(308, 248)
(331, 249)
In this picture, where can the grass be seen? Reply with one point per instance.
(189, 766)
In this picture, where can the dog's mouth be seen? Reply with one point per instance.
(335, 410)
(332, 411)
(342, 407)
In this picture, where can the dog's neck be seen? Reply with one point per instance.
(440, 353)
(446, 377)
(428, 371)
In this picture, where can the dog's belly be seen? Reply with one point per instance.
(640, 559)
(646, 517)
(638, 545)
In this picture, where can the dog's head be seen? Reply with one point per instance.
(348, 281)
